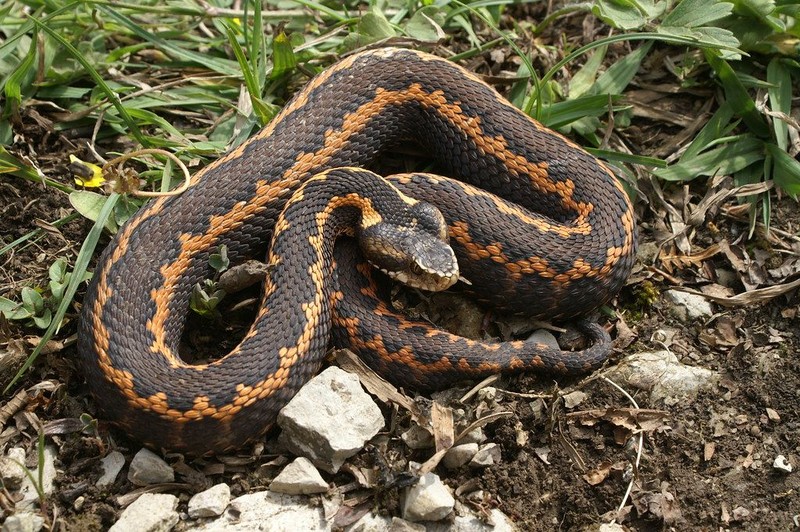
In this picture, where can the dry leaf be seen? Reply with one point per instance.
(599, 474)
(629, 418)
(676, 261)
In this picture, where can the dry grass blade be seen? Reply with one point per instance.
(753, 297)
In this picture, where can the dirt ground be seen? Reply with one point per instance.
(706, 464)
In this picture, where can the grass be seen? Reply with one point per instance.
(197, 79)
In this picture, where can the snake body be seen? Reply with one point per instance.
(550, 232)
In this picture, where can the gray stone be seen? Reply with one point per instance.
(152, 512)
(458, 455)
(486, 456)
(23, 522)
(111, 464)
(417, 438)
(299, 478)
(473, 436)
(12, 468)
(148, 468)
(498, 522)
(686, 306)
(428, 500)
(270, 512)
(543, 336)
(401, 525)
(30, 496)
(370, 522)
(661, 374)
(329, 419)
(211, 502)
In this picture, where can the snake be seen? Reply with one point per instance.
(529, 221)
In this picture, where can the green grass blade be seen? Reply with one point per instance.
(725, 160)
(785, 170)
(222, 66)
(81, 264)
(98, 79)
(780, 99)
(736, 95)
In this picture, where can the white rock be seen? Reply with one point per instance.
(543, 336)
(473, 436)
(268, 511)
(417, 438)
(370, 522)
(458, 455)
(211, 502)
(610, 527)
(329, 419)
(428, 500)
(660, 373)
(23, 522)
(486, 456)
(112, 464)
(152, 512)
(401, 525)
(688, 306)
(30, 497)
(782, 464)
(148, 468)
(498, 522)
(12, 468)
(299, 478)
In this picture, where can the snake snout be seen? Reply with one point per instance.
(413, 248)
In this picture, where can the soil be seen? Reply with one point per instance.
(708, 463)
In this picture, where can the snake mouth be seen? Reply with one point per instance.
(418, 274)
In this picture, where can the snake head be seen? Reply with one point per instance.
(411, 246)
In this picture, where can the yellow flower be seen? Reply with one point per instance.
(86, 174)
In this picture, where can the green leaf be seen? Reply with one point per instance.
(90, 205)
(584, 78)
(32, 299)
(21, 76)
(560, 114)
(717, 127)
(373, 26)
(627, 14)
(426, 24)
(11, 165)
(780, 99)
(57, 290)
(736, 95)
(283, 58)
(7, 306)
(619, 75)
(219, 261)
(58, 270)
(694, 13)
(722, 160)
(43, 321)
(707, 37)
(785, 170)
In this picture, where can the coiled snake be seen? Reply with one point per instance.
(550, 232)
